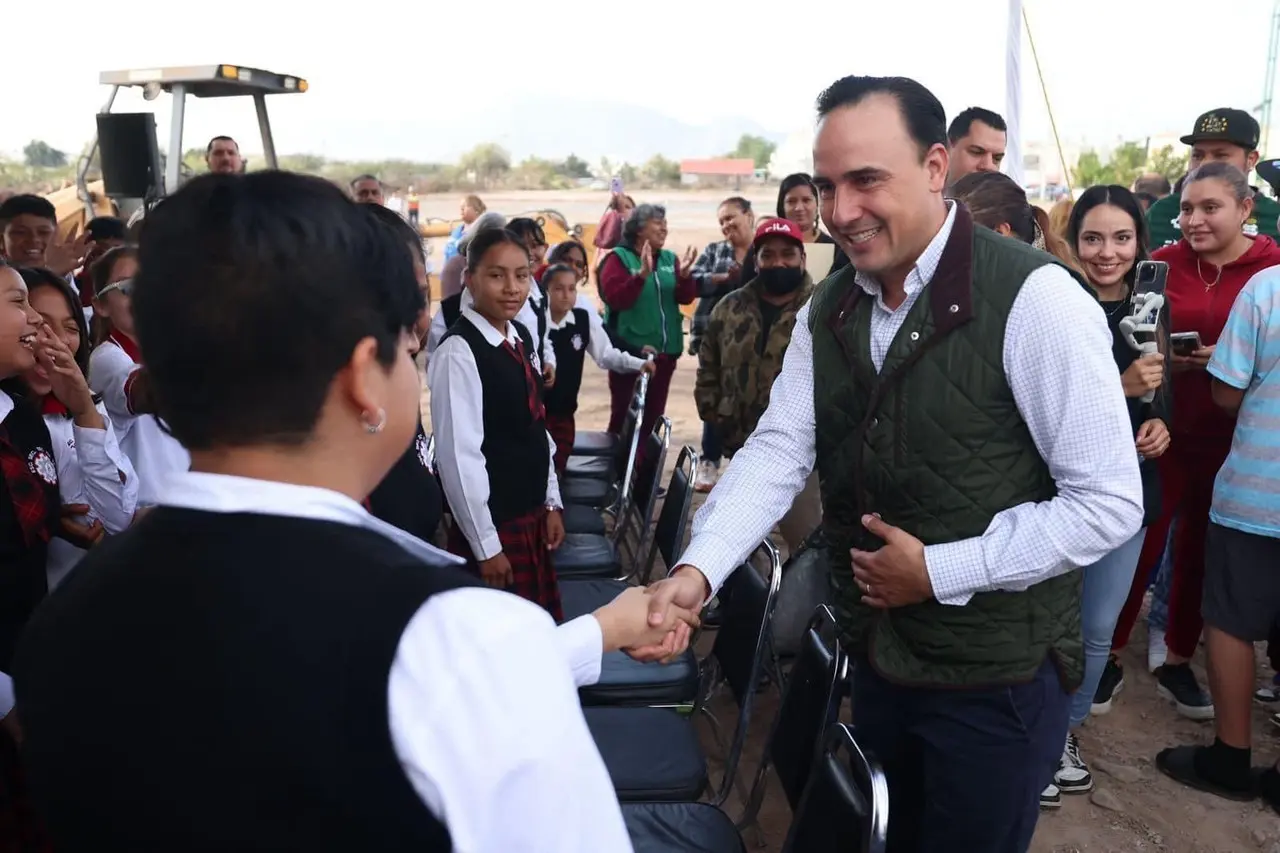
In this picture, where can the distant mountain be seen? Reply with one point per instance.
(549, 126)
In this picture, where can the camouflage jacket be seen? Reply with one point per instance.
(735, 368)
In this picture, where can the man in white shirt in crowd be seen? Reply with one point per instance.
(973, 447)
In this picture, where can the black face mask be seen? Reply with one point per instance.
(779, 281)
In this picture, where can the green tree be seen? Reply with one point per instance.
(629, 174)
(1090, 171)
(1128, 161)
(1165, 162)
(756, 148)
(661, 171)
(575, 167)
(39, 154)
(488, 161)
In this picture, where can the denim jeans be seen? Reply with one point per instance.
(1158, 613)
(1106, 587)
(712, 446)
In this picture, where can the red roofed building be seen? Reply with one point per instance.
(724, 171)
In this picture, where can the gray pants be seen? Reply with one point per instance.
(804, 516)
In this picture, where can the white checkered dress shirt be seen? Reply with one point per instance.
(1057, 358)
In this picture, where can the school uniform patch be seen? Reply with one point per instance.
(422, 453)
(576, 342)
(42, 465)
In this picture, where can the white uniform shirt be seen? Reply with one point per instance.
(528, 317)
(457, 421)
(153, 452)
(602, 352)
(92, 470)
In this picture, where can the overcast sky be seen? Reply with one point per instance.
(1115, 68)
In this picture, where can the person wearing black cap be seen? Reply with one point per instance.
(1227, 135)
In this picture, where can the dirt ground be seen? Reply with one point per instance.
(1134, 807)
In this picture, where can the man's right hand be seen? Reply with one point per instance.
(685, 589)
(1143, 375)
(496, 571)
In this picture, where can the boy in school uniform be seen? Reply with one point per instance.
(494, 452)
(573, 332)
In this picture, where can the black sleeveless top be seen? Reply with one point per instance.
(409, 496)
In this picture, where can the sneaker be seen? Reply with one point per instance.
(1177, 683)
(1111, 683)
(1051, 798)
(1073, 776)
(1157, 651)
(708, 473)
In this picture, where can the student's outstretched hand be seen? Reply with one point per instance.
(555, 529)
(685, 590)
(625, 623)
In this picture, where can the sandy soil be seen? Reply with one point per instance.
(1134, 807)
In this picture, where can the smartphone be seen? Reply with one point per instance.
(1185, 343)
(1150, 277)
(615, 186)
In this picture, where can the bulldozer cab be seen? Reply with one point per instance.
(196, 81)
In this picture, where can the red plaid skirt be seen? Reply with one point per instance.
(524, 541)
(20, 829)
(562, 431)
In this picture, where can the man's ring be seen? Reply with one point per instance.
(867, 588)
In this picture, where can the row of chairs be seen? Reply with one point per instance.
(643, 716)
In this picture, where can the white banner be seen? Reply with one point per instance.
(1013, 93)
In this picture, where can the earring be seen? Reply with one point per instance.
(374, 429)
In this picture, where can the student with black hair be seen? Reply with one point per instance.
(487, 414)
(117, 374)
(409, 496)
(798, 201)
(286, 671)
(96, 480)
(976, 142)
(104, 233)
(29, 236)
(574, 331)
(535, 241)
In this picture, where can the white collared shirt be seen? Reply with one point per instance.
(528, 317)
(92, 470)
(153, 452)
(600, 349)
(1058, 362)
(483, 706)
(457, 421)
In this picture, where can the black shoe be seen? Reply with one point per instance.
(1111, 683)
(1177, 683)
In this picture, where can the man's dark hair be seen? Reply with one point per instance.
(251, 294)
(208, 149)
(106, 228)
(922, 112)
(27, 204)
(1156, 185)
(486, 239)
(961, 124)
(403, 230)
(526, 228)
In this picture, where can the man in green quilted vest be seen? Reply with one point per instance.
(957, 393)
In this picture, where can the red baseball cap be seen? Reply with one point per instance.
(776, 227)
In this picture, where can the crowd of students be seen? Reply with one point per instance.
(217, 424)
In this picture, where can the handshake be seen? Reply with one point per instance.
(654, 623)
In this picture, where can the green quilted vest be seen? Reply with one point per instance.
(936, 445)
(655, 319)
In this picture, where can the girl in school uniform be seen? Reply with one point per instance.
(117, 374)
(98, 486)
(575, 331)
(494, 452)
(29, 510)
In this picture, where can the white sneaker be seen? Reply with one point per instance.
(1073, 776)
(1157, 651)
(1051, 798)
(708, 474)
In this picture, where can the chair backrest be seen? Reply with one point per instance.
(846, 801)
(668, 533)
(738, 653)
(624, 459)
(810, 703)
(636, 521)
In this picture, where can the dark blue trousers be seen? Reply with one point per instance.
(965, 766)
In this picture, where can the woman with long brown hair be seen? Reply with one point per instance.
(996, 201)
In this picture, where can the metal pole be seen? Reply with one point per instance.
(264, 127)
(173, 163)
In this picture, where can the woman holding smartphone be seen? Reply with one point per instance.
(1207, 269)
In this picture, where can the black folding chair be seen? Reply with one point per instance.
(623, 680)
(653, 753)
(845, 805)
(597, 443)
(588, 555)
(605, 491)
(810, 703)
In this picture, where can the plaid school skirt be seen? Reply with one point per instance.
(563, 431)
(20, 828)
(524, 541)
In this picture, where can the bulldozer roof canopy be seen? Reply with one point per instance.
(208, 81)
